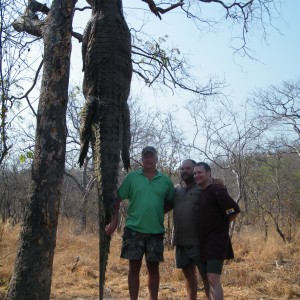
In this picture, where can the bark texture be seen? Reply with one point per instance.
(33, 267)
(105, 122)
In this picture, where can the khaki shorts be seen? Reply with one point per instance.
(186, 255)
(135, 245)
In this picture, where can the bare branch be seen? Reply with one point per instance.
(228, 7)
(162, 65)
(30, 22)
(29, 104)
(77, 36)
(171, 7)
(83, 8)
(158, 10)
(33, 85)
(279, 107)
(4, 151)
(29, 25)
(80, 187)
(35, 6)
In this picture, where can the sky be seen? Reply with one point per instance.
(277, 59)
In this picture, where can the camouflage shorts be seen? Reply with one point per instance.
(136, 244)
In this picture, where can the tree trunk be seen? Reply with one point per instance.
(33, 267)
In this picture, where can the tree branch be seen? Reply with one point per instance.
(30, 22)
(33, 85)
(77, 36)
(83, 8)
(75, 180)
(35, 6)
(158, 10)
(29, 25)
(241, 6)
(164, 67)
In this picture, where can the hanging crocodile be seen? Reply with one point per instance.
(105, 122)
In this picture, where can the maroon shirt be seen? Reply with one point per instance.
(215, 206)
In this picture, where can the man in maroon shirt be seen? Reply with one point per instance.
(216, 210)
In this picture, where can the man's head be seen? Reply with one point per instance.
(149, 149)
(202, 173)
(186, 170)
(149, 158)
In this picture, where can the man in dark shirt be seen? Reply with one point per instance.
(216, 210)
(186, 226)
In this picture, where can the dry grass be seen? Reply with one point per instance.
(261, 270)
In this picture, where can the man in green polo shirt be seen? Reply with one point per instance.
(146, 190)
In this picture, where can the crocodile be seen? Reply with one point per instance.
(105, 117)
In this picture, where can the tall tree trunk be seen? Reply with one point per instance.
(33, 267)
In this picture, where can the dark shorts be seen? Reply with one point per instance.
(136, 244)
(186, 255)
(211, 266)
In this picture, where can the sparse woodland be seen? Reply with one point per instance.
(253, 148)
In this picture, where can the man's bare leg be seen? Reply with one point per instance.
(215, 287)
(134, 278)
(206, 284)
(153, 279)
(191, 284)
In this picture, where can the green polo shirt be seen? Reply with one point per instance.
(145, 212)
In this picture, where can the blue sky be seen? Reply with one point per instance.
(209, 53)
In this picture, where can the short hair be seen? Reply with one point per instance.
(204, 164)
(189, 159)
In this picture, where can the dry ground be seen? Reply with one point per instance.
(261, 270)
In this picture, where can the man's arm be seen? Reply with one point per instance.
(122, 193)
(168, 206)
(168, 202)
(232, 217)
(111, 227)
(228, 206)
(218, 181)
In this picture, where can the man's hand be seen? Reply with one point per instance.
(111, 227)
(232, 218)
(218, 181)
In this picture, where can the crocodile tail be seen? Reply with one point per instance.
(104, 249)
(103, 213)
(106, 143)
